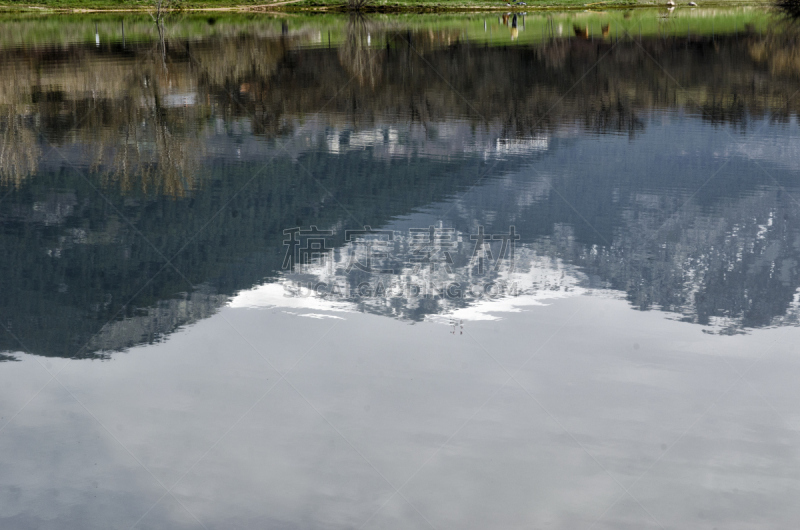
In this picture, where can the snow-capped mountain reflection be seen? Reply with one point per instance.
(399, 287)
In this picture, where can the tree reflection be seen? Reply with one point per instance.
(145, 112)
(356, 53)
(19, 148)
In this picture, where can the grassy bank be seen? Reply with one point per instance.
(332, 28)
(386, 6)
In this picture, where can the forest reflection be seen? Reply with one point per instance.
(122, 165)
(144, 112)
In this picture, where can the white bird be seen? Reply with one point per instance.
(670, 3)
(692, 4)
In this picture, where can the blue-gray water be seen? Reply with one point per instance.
(333, 272)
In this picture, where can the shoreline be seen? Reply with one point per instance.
(291, 6)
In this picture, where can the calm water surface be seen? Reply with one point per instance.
(485, 271)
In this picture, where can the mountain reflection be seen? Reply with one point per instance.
(145, 184)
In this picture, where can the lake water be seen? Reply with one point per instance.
(411, 271)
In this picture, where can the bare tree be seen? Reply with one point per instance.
(357, 5)
(161, 6)
(356, 54)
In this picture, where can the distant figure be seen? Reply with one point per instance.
(514, 30)
(605, 30)
(505, 19)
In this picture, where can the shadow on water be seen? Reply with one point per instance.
(179, 163)
(788, 8)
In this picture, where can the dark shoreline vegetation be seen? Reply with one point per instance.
(139, 118)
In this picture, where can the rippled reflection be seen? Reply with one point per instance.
(148, 179)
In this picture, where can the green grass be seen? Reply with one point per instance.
(27, 29)
(324, 5)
